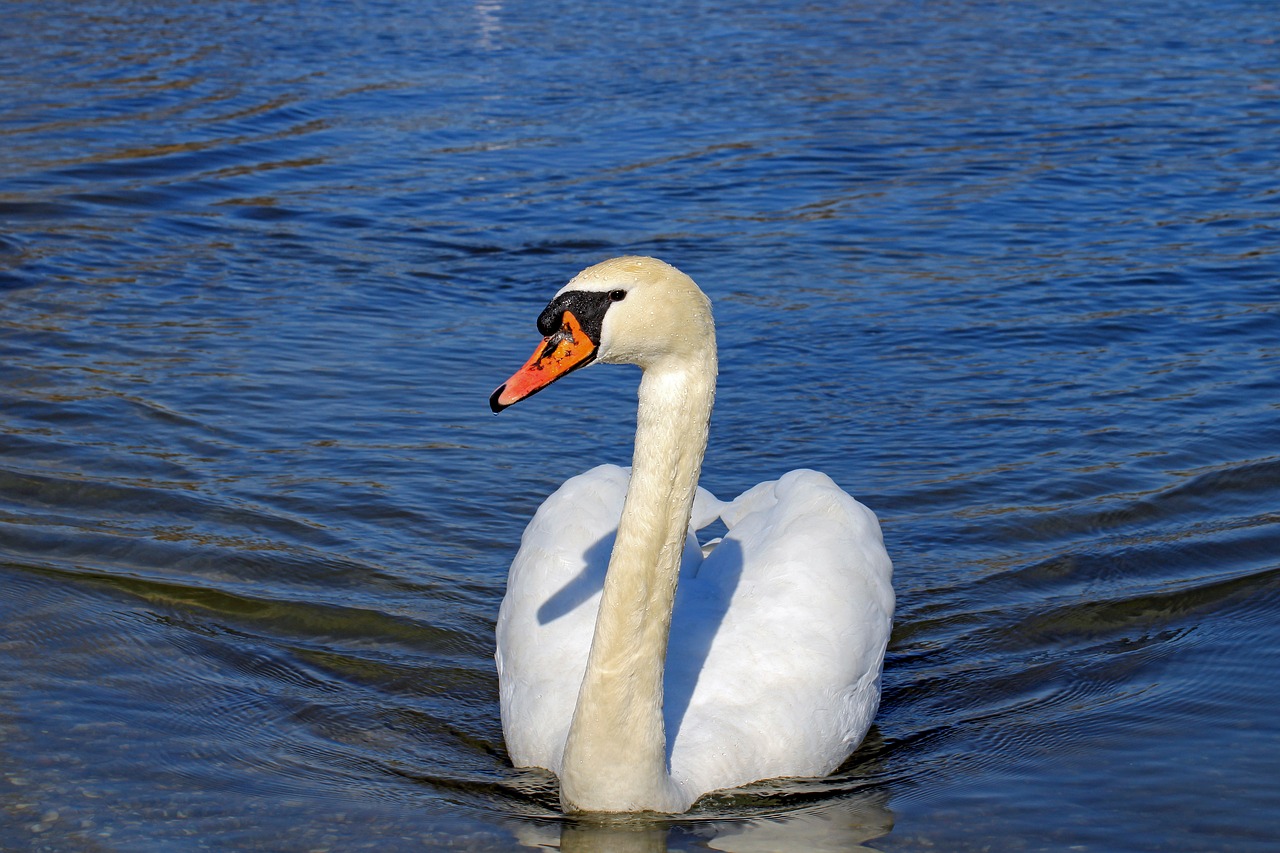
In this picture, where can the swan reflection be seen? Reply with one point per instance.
(841, 825)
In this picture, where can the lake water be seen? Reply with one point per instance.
(1008, 272)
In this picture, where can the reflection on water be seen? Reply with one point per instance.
(834, 826)
(489, 13)
(1008, 273)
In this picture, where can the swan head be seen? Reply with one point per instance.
(629, 310)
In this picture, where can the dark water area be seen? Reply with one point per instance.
(1008, 272)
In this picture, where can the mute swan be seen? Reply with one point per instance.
(777, 637)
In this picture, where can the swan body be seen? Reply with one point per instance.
(641, 671)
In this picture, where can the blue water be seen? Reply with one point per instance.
(1008, 272)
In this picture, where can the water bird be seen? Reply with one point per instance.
(641, 668)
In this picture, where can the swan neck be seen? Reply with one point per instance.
(615, 758)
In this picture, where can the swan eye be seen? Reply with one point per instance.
(617, 295)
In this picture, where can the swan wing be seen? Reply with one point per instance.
(778, 639)
(545, 622)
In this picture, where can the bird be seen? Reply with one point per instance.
(645, 669)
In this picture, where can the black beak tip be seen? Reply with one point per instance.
(493, 399)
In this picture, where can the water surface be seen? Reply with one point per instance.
(1007, 272)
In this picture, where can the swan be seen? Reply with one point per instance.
(641, 671)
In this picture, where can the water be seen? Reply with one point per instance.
(1007, 272)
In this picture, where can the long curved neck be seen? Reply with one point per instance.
(615, 756)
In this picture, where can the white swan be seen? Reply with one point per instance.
(777, 637)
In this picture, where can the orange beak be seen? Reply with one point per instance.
(558, 354)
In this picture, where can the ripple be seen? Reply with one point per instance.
(1006, 275)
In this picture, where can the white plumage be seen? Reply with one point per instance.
(777, 636)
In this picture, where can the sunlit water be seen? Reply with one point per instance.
(1007, 272)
